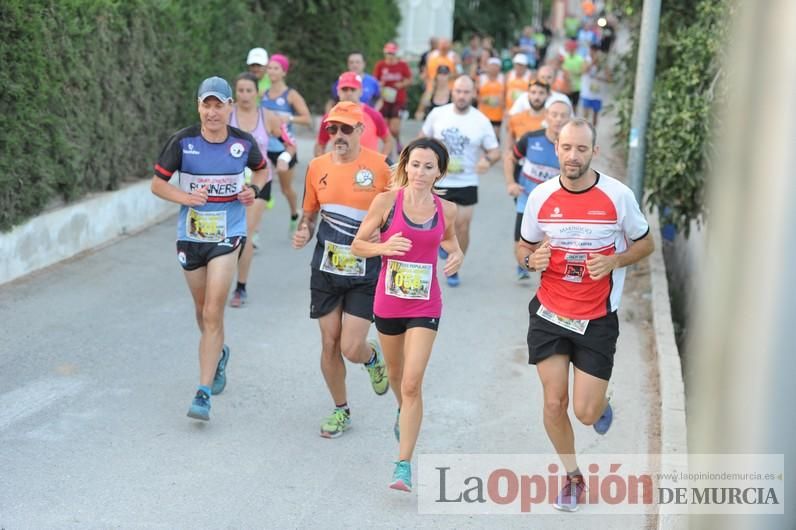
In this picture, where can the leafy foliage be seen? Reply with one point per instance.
(502, 19)
(689, 82)
(94, 87)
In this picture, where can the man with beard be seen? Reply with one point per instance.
(546, 74)
(340, 185)
(580, 231)
(466, 132)
(531, 119)
(533, 160)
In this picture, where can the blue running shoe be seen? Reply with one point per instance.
(220, 379)
(453, 280)
(522, 273)
(402, 476)
(571, 495)
(442, 253)
(200, 407)
(604, 423)
(396, 429)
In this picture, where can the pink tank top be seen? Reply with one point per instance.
(408, 285)
(260, 134)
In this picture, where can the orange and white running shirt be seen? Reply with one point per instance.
(599, 220)
(342, 193)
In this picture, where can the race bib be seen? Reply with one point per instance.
(207, 227)
(578, 326)
(408, 280)
(337, 259)
(455, 164)
(389, 94)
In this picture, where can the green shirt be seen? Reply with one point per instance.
(573, 64)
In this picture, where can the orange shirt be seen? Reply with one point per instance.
(435, 62)
(515, 86)
(490, 96)
(524, 122)
(346, 189)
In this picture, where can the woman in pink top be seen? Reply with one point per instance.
(414, 223)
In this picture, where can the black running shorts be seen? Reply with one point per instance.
(193, 255)
(593, 352)
(398, 326)
(327, 291)
(466, 196)
(265, 193)
(273, 156)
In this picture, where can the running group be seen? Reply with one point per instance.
(388, 218)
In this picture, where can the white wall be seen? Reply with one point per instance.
(422, 19)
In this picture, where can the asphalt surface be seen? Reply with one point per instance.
(98, 367)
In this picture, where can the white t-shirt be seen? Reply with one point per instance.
(522, 104)
(465, 135)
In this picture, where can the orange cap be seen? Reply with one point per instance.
(346, 112)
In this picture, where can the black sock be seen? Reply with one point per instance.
(241, 286)
(344, 406)
(294, 217)
(575, 473)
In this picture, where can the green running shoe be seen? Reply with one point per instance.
(402, 476)
(293, 225)
(270, 203)
(336, 424)
(377, 371)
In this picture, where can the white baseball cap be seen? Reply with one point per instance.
(494, 60)
(520, 58)
(558, 98)
(257, 56)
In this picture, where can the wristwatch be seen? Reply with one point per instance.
(527, 263)
(256, 189)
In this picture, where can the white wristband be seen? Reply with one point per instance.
(285, 157)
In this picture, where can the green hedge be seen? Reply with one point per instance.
(94, 87)
(689, 85)
(318, 36)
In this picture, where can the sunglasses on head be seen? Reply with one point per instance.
(344, 128)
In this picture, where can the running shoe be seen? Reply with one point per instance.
(522, 273)
(239, 298)
(571, 494)
(604, 423)
(293, 225)
(377, 371)
(402, 476)
(256, 240)
(336, 424)
(220, 379)
(396, 429)
(270, 203)
(442, 253)
(453, 280)
(200, 406)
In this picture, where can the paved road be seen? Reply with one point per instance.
(98, 367)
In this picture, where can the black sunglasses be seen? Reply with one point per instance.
(344, 128)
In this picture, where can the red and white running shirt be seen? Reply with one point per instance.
(601, 219)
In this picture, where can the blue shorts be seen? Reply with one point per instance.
(595, 104)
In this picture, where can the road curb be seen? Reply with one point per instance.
(63, 233)
(673, 434)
